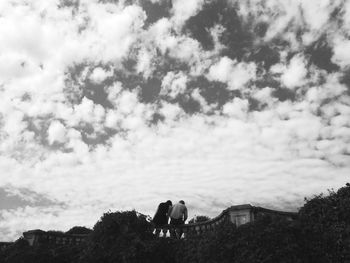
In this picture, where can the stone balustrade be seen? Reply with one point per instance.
(4, 245)
(195, 228)
(238, 215)
(35, 237)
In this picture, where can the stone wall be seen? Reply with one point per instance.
(4, 245)
(35, 237)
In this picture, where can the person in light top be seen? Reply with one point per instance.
(178, 216)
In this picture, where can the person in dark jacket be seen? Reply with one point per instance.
(161, 217)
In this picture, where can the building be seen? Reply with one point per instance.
(242, 214)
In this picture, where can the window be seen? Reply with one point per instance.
(240, 219)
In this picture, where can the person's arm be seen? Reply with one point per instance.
(155, 213)
(185, 214)
(169, 211)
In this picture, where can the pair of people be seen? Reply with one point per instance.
(177, 214)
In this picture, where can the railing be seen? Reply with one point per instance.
(193, 229)
(35, 237)
(4, 245)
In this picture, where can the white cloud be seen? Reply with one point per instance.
(238, 108)
(99, 74)
(174, 84)
(14, 124)
(236, 75)
(113, 30)
(172, 112)
(56, 132)
(317, 13)
(341, 52)
(127, 102)
(294, 74)
(346, 15)
(184, 10)
(144, 62)
(264, 95)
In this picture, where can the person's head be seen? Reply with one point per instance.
(182, 202)
(169, 203)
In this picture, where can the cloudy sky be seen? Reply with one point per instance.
(117, 105)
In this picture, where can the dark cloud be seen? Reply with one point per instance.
(283, 94)
(235, 37)
(255, 105)
(79, 85)
(39, 126)
(91, 137)
(69, 3)
(199, 26)
(345, 79)
(23, 197)
(214, 92)
(189, 105)
(150, 89)
(265, 56)
(260, 29)
(321, 54)
(156, 10)
(73, 89)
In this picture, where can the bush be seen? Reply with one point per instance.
(119, 237)
(198, 219)
(80, 230)
(325, 224)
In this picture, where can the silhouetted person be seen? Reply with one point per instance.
(161, 216)
(178, 217)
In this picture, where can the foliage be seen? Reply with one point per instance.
(198, 219)
(269, 239)
(119, 237)
(80, 230)
(325, 225)
(21, 252)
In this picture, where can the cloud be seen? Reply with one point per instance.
(236, 75)
(295, 73)
(98, 75)
(184, 10)
(56, 132)
(341, 55)
(174, 84)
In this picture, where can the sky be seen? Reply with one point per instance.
(113, 105)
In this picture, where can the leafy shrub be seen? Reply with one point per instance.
(119, 237)
(198, 219)
(325, 225)
(80, 230)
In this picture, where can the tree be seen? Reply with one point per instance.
(80, 230)
(325, 224)
(119, 237)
